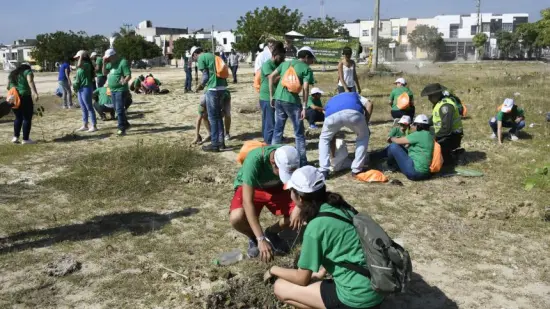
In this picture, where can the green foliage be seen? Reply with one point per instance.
(539, 179)
(255, 24)
(543, 27)
(183, 45)
(59, 46)
(384, 43)
(506, 42)
(136, 48)
(480, 40)
(322, 28)
(124, 31)
(427, 38)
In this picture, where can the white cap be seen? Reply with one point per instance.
(193, 50)
(364, 101)
(306, 48)
(316, 91)
(307, 179)
(94, 54)
(401, 81)
(81, 53)
(287, 160)
(406, 119)
(507, 105)
(422, 119)
(262, 46)
(109, 53)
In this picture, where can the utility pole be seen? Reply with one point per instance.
(375, 35)
(322, 12)
(213, 40)
(478, 16)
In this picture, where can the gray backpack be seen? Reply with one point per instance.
(389, 266)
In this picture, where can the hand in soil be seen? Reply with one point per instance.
(266, 251)
(267, 276)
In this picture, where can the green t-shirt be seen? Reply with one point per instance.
(396, 92)
(118, 70)
(257, 171)
(22, 85)
(421, 149)
(311, 101)
(84, 76)
(99, 63)
(207, 61)
(396, 132)
(304, 75)
(511, 116)
(103, 98)
(267, 68)
(328, 242)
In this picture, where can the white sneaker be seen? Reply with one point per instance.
(83, 128)
(29, 142)
(493, 136)
(92, 129)
(513, 137)
(227, 137)
(15, 140)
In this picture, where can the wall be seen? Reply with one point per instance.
(354, 29)
(228, 36)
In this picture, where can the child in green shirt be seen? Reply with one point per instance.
(402, 130)
(315, 111)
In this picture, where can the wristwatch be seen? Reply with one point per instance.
(262, 238)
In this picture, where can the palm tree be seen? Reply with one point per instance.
(125, 30)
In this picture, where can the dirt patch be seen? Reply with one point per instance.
(63, 266)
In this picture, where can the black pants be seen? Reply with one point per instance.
(234, 71)
(102, 110)
(330, 298)
(448, 145)
(23, 117)
(314, 116)
(398, 114)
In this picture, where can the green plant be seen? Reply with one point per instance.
(479, 41)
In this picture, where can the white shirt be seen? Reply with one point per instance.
(349, 76)
(262, 58)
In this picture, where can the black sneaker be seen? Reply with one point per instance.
(210, 148)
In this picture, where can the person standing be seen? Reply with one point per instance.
(509, 116)
(98, 66)
(315, 111)
(234, 64)
(347, 74)
(65, 83)
(83, 85)
(215, 91)
(267, 106)
(446, 121)
(401, 100)
(22, 79)
(119, 75)
(352, 111)
(289, 104)
(188, 67)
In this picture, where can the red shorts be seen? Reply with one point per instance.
(276, 199)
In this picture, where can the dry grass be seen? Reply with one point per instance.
(128, 207)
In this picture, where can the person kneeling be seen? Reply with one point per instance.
(315, 111)
(509, 116)
(415, 161)
(259, 183)
(103, 103)
(328, 243)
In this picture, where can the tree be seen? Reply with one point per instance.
(506, 42)
(254, 25)
(125, 30)
(526, 35)
(427, 38)
(384, 44)
(136, 48)
(479, 41)
(183, 45)
(543, 26)
(322, 28)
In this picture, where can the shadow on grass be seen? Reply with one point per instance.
(161, 130)
(72, 137)
(472, 157)
(247, 136)
(380, 121)
(137, 223)
(420, 295)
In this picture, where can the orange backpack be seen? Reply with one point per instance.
(258, 80)
(291, 81)
(221, 68)
(247, 147)
(404, 101)
(13, 98)
(437, 159)
(372, 176)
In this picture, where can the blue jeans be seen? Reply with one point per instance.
(397, 154)
(214, 105)
(188, 78)
(268, 121)
(283, 111)
(85, 98)
(514, 127)
(118, 99)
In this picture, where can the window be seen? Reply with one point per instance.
(454, 31)
(381, 27)
(474, 30)
(224, 41)
(403, 48)
(365, 32)
(402, 30)
(486, 27)
(508, 27)
(238, 38)
(395, 31)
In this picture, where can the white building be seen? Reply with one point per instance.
(354, 29)
(19, 51)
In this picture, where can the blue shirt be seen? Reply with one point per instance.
(343, 101)
(62, 68)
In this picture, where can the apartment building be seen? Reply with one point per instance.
(19, 51)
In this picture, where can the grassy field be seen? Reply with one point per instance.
(147, 214)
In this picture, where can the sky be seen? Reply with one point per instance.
(33, 17)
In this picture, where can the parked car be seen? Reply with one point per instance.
(140, 64)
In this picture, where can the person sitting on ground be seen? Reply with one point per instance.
(203, 116)
(136, 84)
(509, 116)
(446, 121)
(399, 109)
(402, 130)
(458, 102)
(347, 75)
(259, 183)
(151, 85)
(327, 244)
(315, 111)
